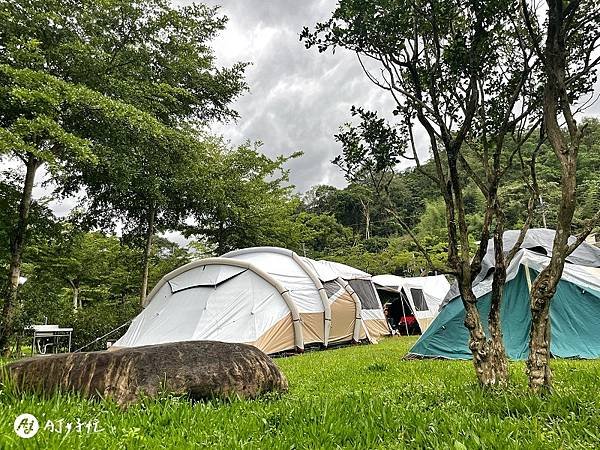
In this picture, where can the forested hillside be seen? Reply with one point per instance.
(365, 235)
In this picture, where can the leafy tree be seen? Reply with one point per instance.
(148, 54)
(459, 71)
(570, 66)
(322, 234)
(97, 270)
(249, 202)
(45, 121)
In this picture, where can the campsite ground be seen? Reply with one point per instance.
(354, 397)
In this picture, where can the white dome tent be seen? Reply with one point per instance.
(424, 295)
(265, 296)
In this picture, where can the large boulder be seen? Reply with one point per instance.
(200, 369)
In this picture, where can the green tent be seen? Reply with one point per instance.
(574, 314)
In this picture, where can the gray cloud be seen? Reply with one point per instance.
(298, 98)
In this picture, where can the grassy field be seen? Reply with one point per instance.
(354, 397)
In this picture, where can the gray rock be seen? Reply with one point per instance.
(200, 369)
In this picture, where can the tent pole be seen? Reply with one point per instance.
(404, 314)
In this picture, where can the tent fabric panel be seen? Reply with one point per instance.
(575, 322)
(278, 338)
(209, 275)
(286, 271)
(447, 336)
(574, 316)
(239, 310)
(392, 282)
(329, 270)
(343, 316)
(434, 288)
(373, 314)
(377, 327)
(228, 315)
(312, 327)
(539, 241)
(138, 324)
(424, 323)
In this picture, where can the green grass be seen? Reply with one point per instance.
(354, 397)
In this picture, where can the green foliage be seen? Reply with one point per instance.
(149, 53)
(419, 204)
(43, 225)
(397, 255)
(322, 234)
(382, 402)
(110, 96)
(245, 201)
(105, 274)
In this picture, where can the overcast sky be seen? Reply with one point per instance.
(298, 98)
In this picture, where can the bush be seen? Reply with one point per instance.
(94, 321)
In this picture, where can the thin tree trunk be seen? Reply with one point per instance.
(544, 288)
(566, 147)
(75, 297)
(478, 343)
(538, 362)
(459, 234)
(76, 301)
(367, 215)
(221, 238)
(147, 250)
(16, 253)
(497, 350)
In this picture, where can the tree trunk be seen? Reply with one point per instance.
(75, 290)
(221, 238)
(147, 250)
(367, 215)
(480, 346)
(482, 349)
(565, 146)
(538, 363)
(17, 246)
(497, 350)
(544, 288)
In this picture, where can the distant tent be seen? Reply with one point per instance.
(420, 296)
(265, 296)
(574, 312)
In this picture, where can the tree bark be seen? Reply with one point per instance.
(497, 350)
(538, 362)
(367, 215)
(478, 343)
(17, 246)
(566, 147)
(147, 250)
(76, 301)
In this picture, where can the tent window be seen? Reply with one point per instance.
(366, 293)
(419, 299)
(331, 287)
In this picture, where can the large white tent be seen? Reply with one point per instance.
(265, 296)
(423, 295)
